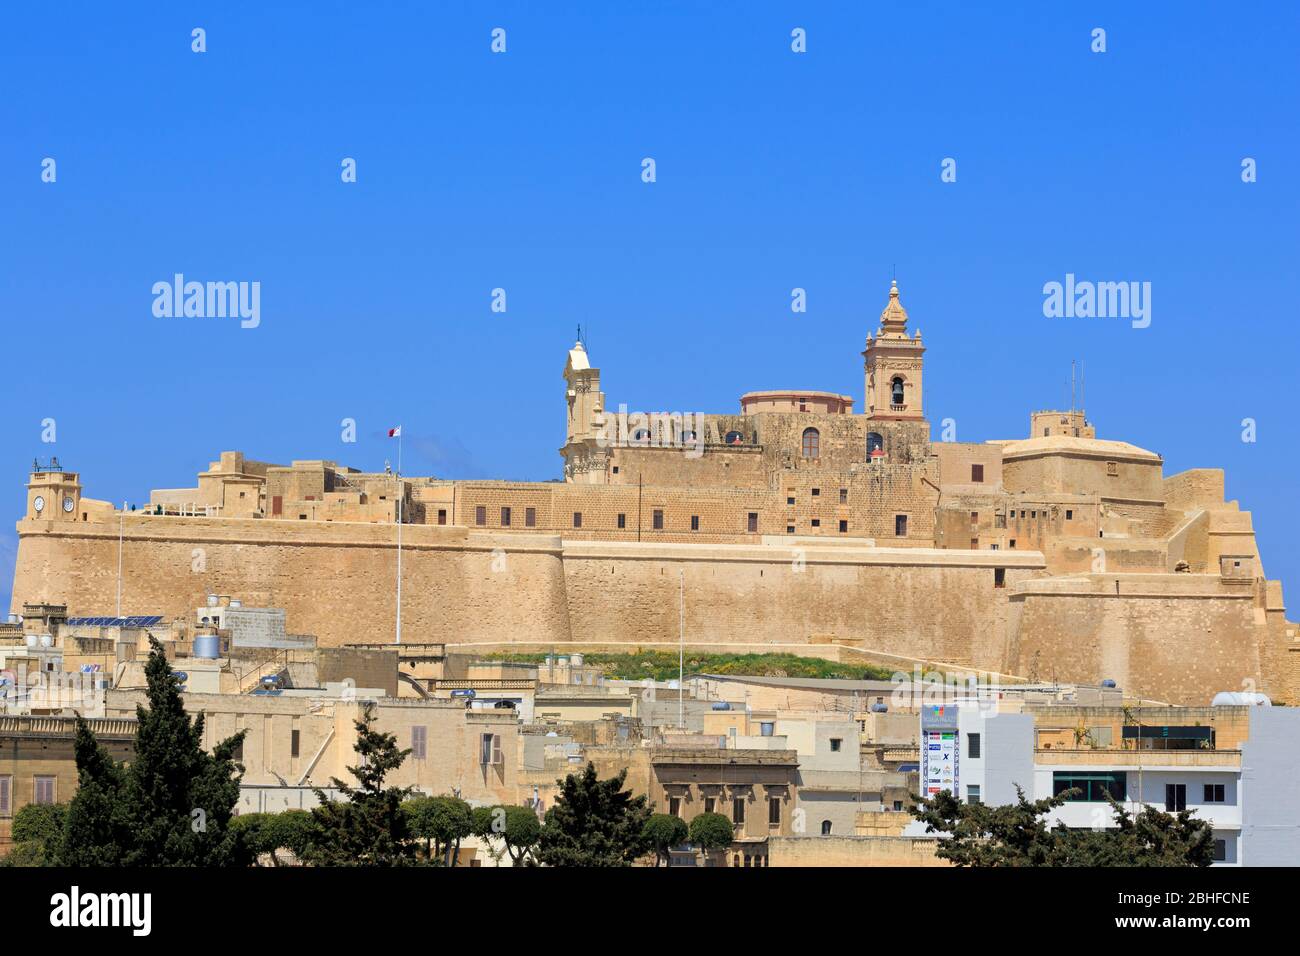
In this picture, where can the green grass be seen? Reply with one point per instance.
(662, 665)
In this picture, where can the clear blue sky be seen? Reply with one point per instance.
(522, 171)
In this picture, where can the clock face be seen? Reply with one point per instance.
(68, 504)
(38, 503)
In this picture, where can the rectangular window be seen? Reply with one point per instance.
(977, 474)
(419, 742)
(1069, 514)
(622, 521)
(789, 501)
(774, 811)
(505, 517)
(1112, 468)
(489, 750)
(836, 744)
(675, 806)
(1011, 543)
(974, 544)
(658, 520)
(710, 805)
(1220, 851)
(295, 741)
(999, 577)
(577, 519)
(844, 496)
(816, 492)
(973, 746)
(695, 522)
(972, 793)
(480, 515)
(816, 522)
(738, 810)
(974, 517)
(844, 526)
(789, 529)
(1092, 787)
(1175, 797)
(277, 504)
(1214, 793)
(1013, 512)
(6, 796)
(530, 517)
(900, 526)
(442, 516)
(752, 523)
(43, 790)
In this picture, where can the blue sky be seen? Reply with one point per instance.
(522, 171)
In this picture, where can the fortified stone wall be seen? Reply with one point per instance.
(1171, 637)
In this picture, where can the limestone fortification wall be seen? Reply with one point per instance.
(1172, 637)
(1179, 638)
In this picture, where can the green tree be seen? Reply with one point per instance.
(517, 828)
(96, 828)
(594, 822)
(1017, 835)
(442, 822)
(367, 826)
(173, 802)
(662, 832)
(266, 833)
(711, 831)
(37, 833)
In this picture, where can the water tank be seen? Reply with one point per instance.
(1108, 683)
(47, 640)
(207, 646)
(576, 660)
(212, 600)
(236, 603)
(722, 705)
(31, 640)
(879, 708)
(1240, 698)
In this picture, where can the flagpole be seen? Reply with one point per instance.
(400, 496)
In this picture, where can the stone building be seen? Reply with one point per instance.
(797, 520)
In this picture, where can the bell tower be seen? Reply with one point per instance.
(53, 493)
(892, 364)
(584, 454)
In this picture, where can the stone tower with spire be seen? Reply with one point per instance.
(585, 455)
(892, 363)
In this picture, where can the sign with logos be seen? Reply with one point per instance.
(939, 750)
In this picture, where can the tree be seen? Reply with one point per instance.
(1016, 835)
(173, 802)
(662, 832)
(37, 832)
(96, 828)
(594, 822)
(267, 833)
(517, 828)
(711, 831)
(367, 827)
(442, 822)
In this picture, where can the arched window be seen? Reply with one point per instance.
(875, 443)
(811, 443)
(897, 388)
(826, 828)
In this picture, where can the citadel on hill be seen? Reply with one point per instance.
(798, 521)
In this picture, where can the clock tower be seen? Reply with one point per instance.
(53, 493)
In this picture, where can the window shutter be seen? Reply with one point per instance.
(498, 758)
(5, 784)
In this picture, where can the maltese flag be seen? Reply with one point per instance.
(395, 432)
